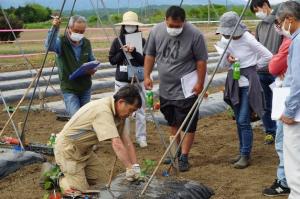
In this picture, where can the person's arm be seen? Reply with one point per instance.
(129, 146)
(278, 63)
(264, 55)
(150, 53)
(201, 55)
(148, 67)
(55, 45)
(121, 152)
(201, 71)
(292, 102)
(116, 55)
(105, 128)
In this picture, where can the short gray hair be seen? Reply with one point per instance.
(289, 8)
(78, 19)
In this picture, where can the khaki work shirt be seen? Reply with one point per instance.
(93, 123)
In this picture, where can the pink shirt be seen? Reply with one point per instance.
(278, 63)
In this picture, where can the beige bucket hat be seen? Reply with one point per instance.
(130, 18)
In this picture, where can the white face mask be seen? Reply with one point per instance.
(261, 15)
(174, 31)
(76, 36)
(130, 29)
(286, 33)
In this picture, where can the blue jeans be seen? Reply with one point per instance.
(269, 124)
(243, 121)
(73, 102)
(279, 149)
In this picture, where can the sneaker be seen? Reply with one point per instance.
(242, 163)
(276, 190)
(143, 143)
(269, 139)
(183, 163)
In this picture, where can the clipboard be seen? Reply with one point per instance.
(188, 82)
(135, 39)
(83, 69)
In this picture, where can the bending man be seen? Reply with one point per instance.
(95, 122)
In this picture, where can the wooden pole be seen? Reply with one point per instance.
(18, 105)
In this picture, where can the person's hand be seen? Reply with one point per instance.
(126, 48)
(231, 59)
(131, 48)
(91, 71)
(197, 89)
(56, 21)
(133, 173)
(281, 77)
(148, 83)
(286, 120)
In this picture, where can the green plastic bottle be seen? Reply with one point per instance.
(236, 70)
(149, 99)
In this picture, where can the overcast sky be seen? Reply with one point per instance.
(85, 4)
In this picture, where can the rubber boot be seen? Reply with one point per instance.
(235, 159)
(243, 162)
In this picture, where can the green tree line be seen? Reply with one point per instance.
(30, 13)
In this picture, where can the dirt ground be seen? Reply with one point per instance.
(215, 144)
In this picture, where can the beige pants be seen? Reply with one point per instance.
(80, 171)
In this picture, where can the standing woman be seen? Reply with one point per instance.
(129, 25)
(244, 93)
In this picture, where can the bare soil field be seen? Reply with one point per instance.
(215, 144)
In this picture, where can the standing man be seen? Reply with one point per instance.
(278, 67)
(289, 20)
(178, 48)
(267, 36)
(72, 50)
(95, 122)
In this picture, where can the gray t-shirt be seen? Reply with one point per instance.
(175, 56)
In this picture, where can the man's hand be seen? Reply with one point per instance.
(148, 83)
(231, 59)
(133, 173)
(198, 89)
(56, 21)
(286, 120)
(91, 71)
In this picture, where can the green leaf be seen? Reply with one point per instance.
(48, 185)
(46, 196)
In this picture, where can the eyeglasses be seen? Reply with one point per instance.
(277, 23)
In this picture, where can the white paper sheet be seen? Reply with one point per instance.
(189, 81)
(219, 49)
(278, 104)
(135, 39)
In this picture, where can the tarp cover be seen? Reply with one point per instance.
(12, 160)
(164, 188)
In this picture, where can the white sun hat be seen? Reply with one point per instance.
(130, 18)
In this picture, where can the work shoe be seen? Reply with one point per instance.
(235, 159)
(276, 190)
(183, 163)
(242, 163)
(143, 143)
(269, 139)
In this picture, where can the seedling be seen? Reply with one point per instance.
(148, 166)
